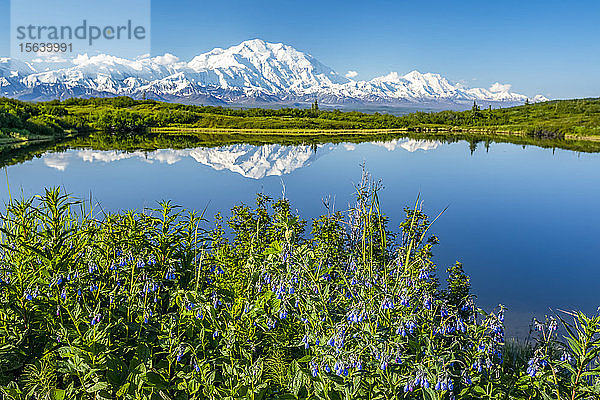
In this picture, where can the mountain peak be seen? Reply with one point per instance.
(254, 71)
(258, 44)
(414, 74)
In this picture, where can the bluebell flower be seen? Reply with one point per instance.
(467, 380)
(401, 331)
(565, 357)
(305, 341)
(92, 267)
(314, 368)
(95, 319)
(417, 381)
(170, 274)
(404, 301)
(387, 304)
(427, 302)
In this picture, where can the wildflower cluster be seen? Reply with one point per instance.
(150, 305)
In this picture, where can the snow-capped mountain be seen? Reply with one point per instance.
(254, 71)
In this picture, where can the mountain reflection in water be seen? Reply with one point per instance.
(250, 161)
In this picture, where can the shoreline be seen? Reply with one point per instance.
(365, 132)
(228, 135)
(9, 145)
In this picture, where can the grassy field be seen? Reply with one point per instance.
(557, 122)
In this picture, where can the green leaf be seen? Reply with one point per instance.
(57, 394)
(98, 386)
(479, 389)
(123, 389)
(116, 373)
(155, 379)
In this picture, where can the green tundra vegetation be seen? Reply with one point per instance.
(207, 139)
(162, 304)
(124, 116)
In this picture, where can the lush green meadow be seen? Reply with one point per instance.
(169, 304)
(19, 121)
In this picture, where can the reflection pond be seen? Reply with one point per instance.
(523, 219)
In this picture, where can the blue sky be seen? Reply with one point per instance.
(549, 47)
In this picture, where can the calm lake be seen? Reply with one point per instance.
(524, 220)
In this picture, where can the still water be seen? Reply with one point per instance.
(525, 221)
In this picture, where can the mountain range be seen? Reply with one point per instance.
(254, 72)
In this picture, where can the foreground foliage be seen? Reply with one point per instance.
(156, 305)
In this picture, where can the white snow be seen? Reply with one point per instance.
(254, 69)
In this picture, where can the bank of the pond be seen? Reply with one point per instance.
(423, 131)
(122, 116)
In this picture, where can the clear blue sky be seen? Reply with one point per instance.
(550, 47)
